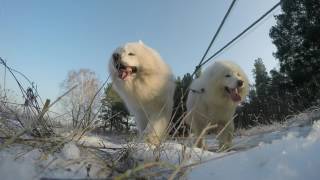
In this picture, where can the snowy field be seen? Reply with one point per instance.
(287, 151)
(294, 156)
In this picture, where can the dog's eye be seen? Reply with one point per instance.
(228, 75)
(131, 54)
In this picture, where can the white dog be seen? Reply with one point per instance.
(146, 84)
(213, 99)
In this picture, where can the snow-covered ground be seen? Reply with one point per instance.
(291, 157)
(287, 151)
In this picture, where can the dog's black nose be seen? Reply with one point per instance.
(116, 56)
(240, 83)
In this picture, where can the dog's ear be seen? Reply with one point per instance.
(140, 42)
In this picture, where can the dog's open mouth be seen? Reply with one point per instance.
(124, 71)
(234, 94)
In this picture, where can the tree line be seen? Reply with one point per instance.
(295, 86)
(291, 88)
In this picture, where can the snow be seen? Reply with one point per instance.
(291, 157)
(97, 142)
(71, 151)
(173, 153)
(12, 168)
(18, 162)
(314, 135)
(282, 151)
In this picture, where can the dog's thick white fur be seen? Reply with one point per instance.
(213, 99)
(146, 84)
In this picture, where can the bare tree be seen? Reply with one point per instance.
(82, 103)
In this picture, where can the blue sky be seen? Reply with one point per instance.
(45, 39)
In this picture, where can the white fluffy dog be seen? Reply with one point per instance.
(146, 84)
(213, 99)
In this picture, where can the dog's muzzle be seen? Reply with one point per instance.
(123, 71)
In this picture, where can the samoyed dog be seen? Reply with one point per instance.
(213, 98)
(146, 84)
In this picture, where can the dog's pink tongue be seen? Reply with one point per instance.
(235, 95)
(124, 73)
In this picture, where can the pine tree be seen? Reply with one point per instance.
(296, 36)
(180, 98)
(114, 112)
(262, 80)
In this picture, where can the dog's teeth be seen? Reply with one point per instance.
(129, 69)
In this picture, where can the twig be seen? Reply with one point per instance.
(60, 97)
(204, 131)
(12, 139)
(129, 173)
